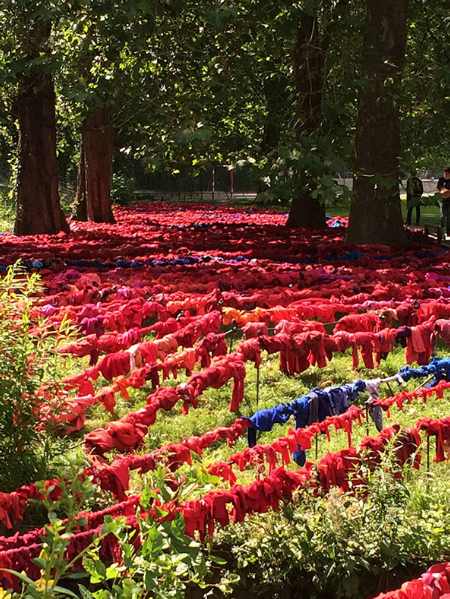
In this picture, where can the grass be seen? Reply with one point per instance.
(275, 387)
(429, 215)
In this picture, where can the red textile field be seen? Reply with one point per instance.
(207, 291)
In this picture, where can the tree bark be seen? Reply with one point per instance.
(306, 211)
(375, 215)
(97, 135)
(309, 68)
(277, 103)
(80, 196)
(38, 205)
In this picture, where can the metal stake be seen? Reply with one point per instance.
(257, 385)
(231, 339)
(390, 388)
(367, 420)
(424, 382)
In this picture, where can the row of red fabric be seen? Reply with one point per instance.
(434, 584)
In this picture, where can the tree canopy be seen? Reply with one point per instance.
(276, 86)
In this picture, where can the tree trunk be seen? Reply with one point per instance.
(271, 135)
(277, 103)
(309, 67)
(80, 196)
(375, 215)
(97, 134)
(38, 205)
(306, 211)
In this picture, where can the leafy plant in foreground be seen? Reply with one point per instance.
(157, 559)
(28, 361)
(346, 545)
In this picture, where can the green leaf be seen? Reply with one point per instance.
(152, 545)
(41, 562)
(146, 496)
(149, 580)
(85, 594)
(19, 575)
(64, 591)
(95, 568)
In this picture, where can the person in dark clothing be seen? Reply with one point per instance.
(443, 187)
(414, 191)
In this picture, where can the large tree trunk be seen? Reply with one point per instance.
(38, 204)
(309, 67)
(80, 196)
(375, 215)
(277, 103)
(97, 134)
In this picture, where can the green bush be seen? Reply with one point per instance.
(7, 209)
(123, 189)
(346, 544)
(158, 560)
(28, 360)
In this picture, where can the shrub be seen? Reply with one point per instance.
(345, 545)
(157, 560)
(28, 360)
(123, 189)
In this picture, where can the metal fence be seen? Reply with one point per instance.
(213, 182)
(220, 182)
(67, 183)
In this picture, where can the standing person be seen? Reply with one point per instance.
(414, 191)
(443, 187)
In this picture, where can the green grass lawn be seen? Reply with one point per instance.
(429, 215)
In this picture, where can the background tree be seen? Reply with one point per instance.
(27, 66)
(312, 45)
(375, 215)
(316, 138)
(426, 89)
(103, 44)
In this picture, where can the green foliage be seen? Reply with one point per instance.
(310, 165)
(123, 189)
(426, 99)
(28, 360)
(7, 209)
(345, 545)
(101, 44)
(157, 558)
